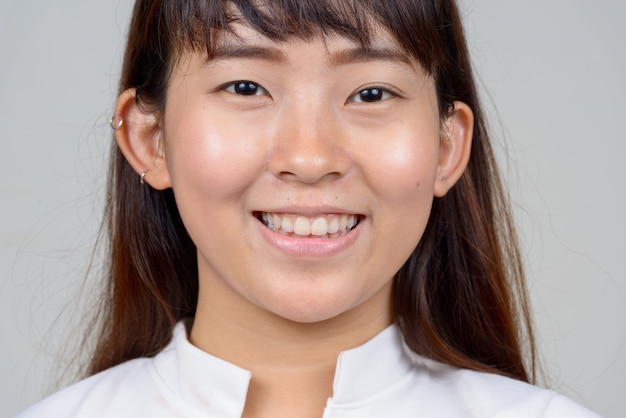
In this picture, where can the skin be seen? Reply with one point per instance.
(303, 143)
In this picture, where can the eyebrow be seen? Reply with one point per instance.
(361, 54)
(230, 50)
(342, 57)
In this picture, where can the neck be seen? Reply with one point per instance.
(292, 363)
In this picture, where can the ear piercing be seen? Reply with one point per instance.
(116, 126)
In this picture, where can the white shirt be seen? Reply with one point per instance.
(381, 378)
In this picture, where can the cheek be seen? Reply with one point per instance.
(405, 168)
(402, 174)
(211, 154)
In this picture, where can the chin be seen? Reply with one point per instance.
(307, 309)
(322, 307)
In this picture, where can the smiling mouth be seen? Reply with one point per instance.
(319, 226)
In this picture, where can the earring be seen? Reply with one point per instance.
(141, 181)
(116, 126)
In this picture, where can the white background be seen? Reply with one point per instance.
(555, 72)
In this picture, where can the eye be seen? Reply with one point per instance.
(245, 88)
(371, 95)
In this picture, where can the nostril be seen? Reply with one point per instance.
(309, 161)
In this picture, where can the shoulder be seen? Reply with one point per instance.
(136, 388)
(505, 397)
(166, 385)
(484, 394)
(112, 392)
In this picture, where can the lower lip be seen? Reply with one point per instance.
(307, 247)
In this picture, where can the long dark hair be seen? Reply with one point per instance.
(460, 297)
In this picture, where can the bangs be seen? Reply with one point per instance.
(414, 24)
(428, 31)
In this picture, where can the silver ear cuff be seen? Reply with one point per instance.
(116, 126)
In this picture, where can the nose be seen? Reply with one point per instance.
(309, 144)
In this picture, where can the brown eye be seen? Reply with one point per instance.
(246, 88)
(371, 95)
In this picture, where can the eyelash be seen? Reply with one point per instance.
(380, 94)
(250, 88)
(246, 85)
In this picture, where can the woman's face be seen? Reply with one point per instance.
(303, 171)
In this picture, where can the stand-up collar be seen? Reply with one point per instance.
(219, 388)
(201, 380)
(364, 371)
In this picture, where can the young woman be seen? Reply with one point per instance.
(305, 219)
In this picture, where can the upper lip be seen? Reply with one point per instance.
(310, 211)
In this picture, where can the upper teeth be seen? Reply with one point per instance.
(320, 225)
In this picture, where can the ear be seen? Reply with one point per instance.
(138, 134)
(455, 147)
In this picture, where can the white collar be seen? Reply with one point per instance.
(219, 388)
(205, 382)
(369, 369)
